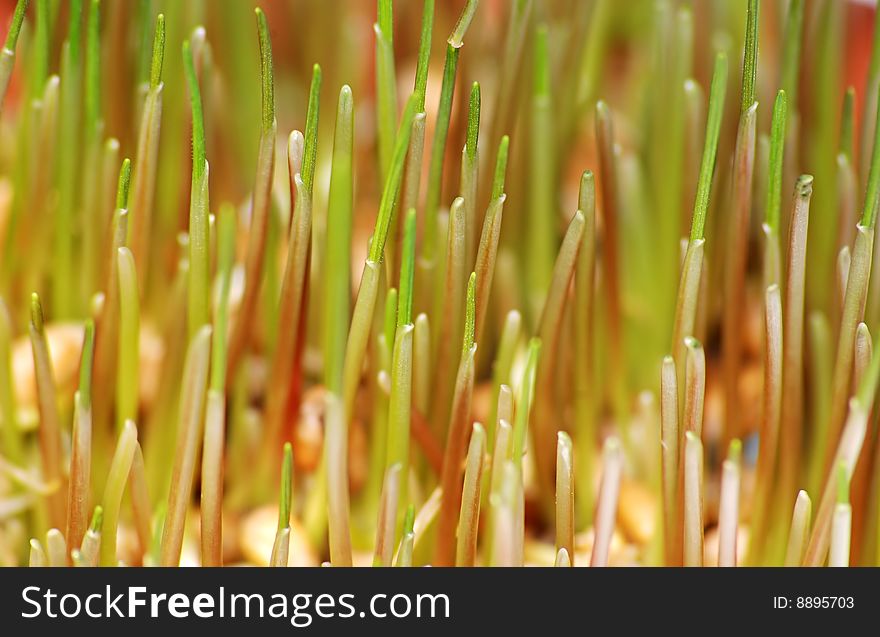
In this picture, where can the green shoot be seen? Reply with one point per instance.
(487, 254)
(267, 84)
(524, 402)
(310, 148)
(262, 196)
(713, 130)
(869, 211)
(145, 168)
(158, 53)
(456, 437)
(129, 339)
(854, 302)
(407, 270)
(50, 422)
(117, 478)
(464, 21)
(40, 68)
(550, 332)
(199, 303)
(386, 86)
(392, 182)
(847, 447)
(470, 169)
(15, 26)
(540, 221)
(421, 82)
(441, 129)
(281, 546)
(226, 223)
(7, 55)
(450, 305)
(71, 71)
(777, 149)
(92, 88)
(339, 218)
(405, 552)
(500, 168)
(841, 525)
(90, 547)
(794, 299)
(400, 403)
(750, 56)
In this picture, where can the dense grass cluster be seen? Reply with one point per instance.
(585, 282)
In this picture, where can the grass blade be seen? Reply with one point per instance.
(564, 496)
(550, 333)
(120, 467)
(262, 197)
(281, 546)
(7, 55)
(736, 254)
(128, 361)
(793, 325)
(800, 530)
(693, 500)
(387, 517)
(50, 424)
(81, 446)
(339, 217)
(386, 84)
(336, 461)
(670, 457)
(147, 157)
(456, 436)
(189, 434)
(694, 386)
(198, 312)
(469, 517)
(771, 410)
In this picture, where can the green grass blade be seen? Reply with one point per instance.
(750, 56)
(713, 130)
(339, 220)
(777, 150)
(128, 361)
